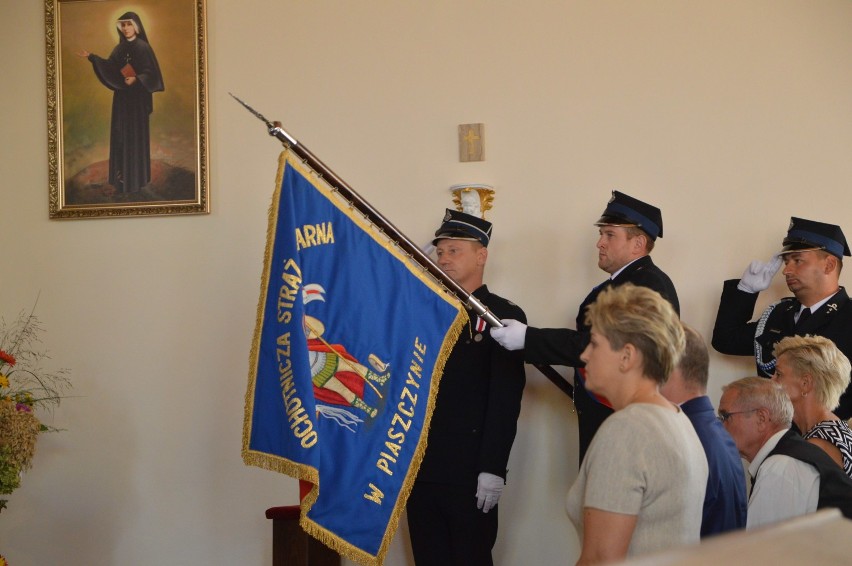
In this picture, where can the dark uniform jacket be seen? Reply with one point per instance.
(835, 487)
(479, 399)
(734, 334)
(563, 346)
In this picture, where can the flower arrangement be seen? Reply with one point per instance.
(25, 386)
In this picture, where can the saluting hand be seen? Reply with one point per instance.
(758, 275)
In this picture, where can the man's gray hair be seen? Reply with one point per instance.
(762, 393)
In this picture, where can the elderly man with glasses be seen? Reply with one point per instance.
(790, 476)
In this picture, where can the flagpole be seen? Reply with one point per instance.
(276, 130)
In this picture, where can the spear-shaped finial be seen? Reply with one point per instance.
(274, 128)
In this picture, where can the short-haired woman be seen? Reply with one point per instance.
(641, 485)
(815, 373)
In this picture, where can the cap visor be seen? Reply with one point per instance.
(454, 237)
(791, 249)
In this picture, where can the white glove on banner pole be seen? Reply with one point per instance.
(758, 275)
(512, 336)
(488, 490)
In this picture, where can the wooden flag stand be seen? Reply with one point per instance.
(292, 546)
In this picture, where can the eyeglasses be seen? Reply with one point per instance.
(723, 416)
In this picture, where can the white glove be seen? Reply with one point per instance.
(488, 490)
(512, 336)
(758, 275)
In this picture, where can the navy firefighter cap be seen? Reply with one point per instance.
(462, 226)
(806, 235)
(624, 210)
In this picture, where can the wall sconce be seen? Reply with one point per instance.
(473, 199)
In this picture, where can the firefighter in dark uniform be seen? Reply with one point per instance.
(452, 509)
(628, 229)
(812, 256)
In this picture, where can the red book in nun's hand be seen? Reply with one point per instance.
(128, 71)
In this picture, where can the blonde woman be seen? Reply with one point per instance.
(641, 484)
(815, 373)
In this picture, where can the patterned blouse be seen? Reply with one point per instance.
(839, 434)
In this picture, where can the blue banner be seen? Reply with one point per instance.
(350, 342)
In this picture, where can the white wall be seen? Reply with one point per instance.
(732, 116)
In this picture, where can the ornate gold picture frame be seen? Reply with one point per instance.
(126, 107)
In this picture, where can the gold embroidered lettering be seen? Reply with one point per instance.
(375, 495)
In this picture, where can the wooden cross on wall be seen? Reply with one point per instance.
(471, 138)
